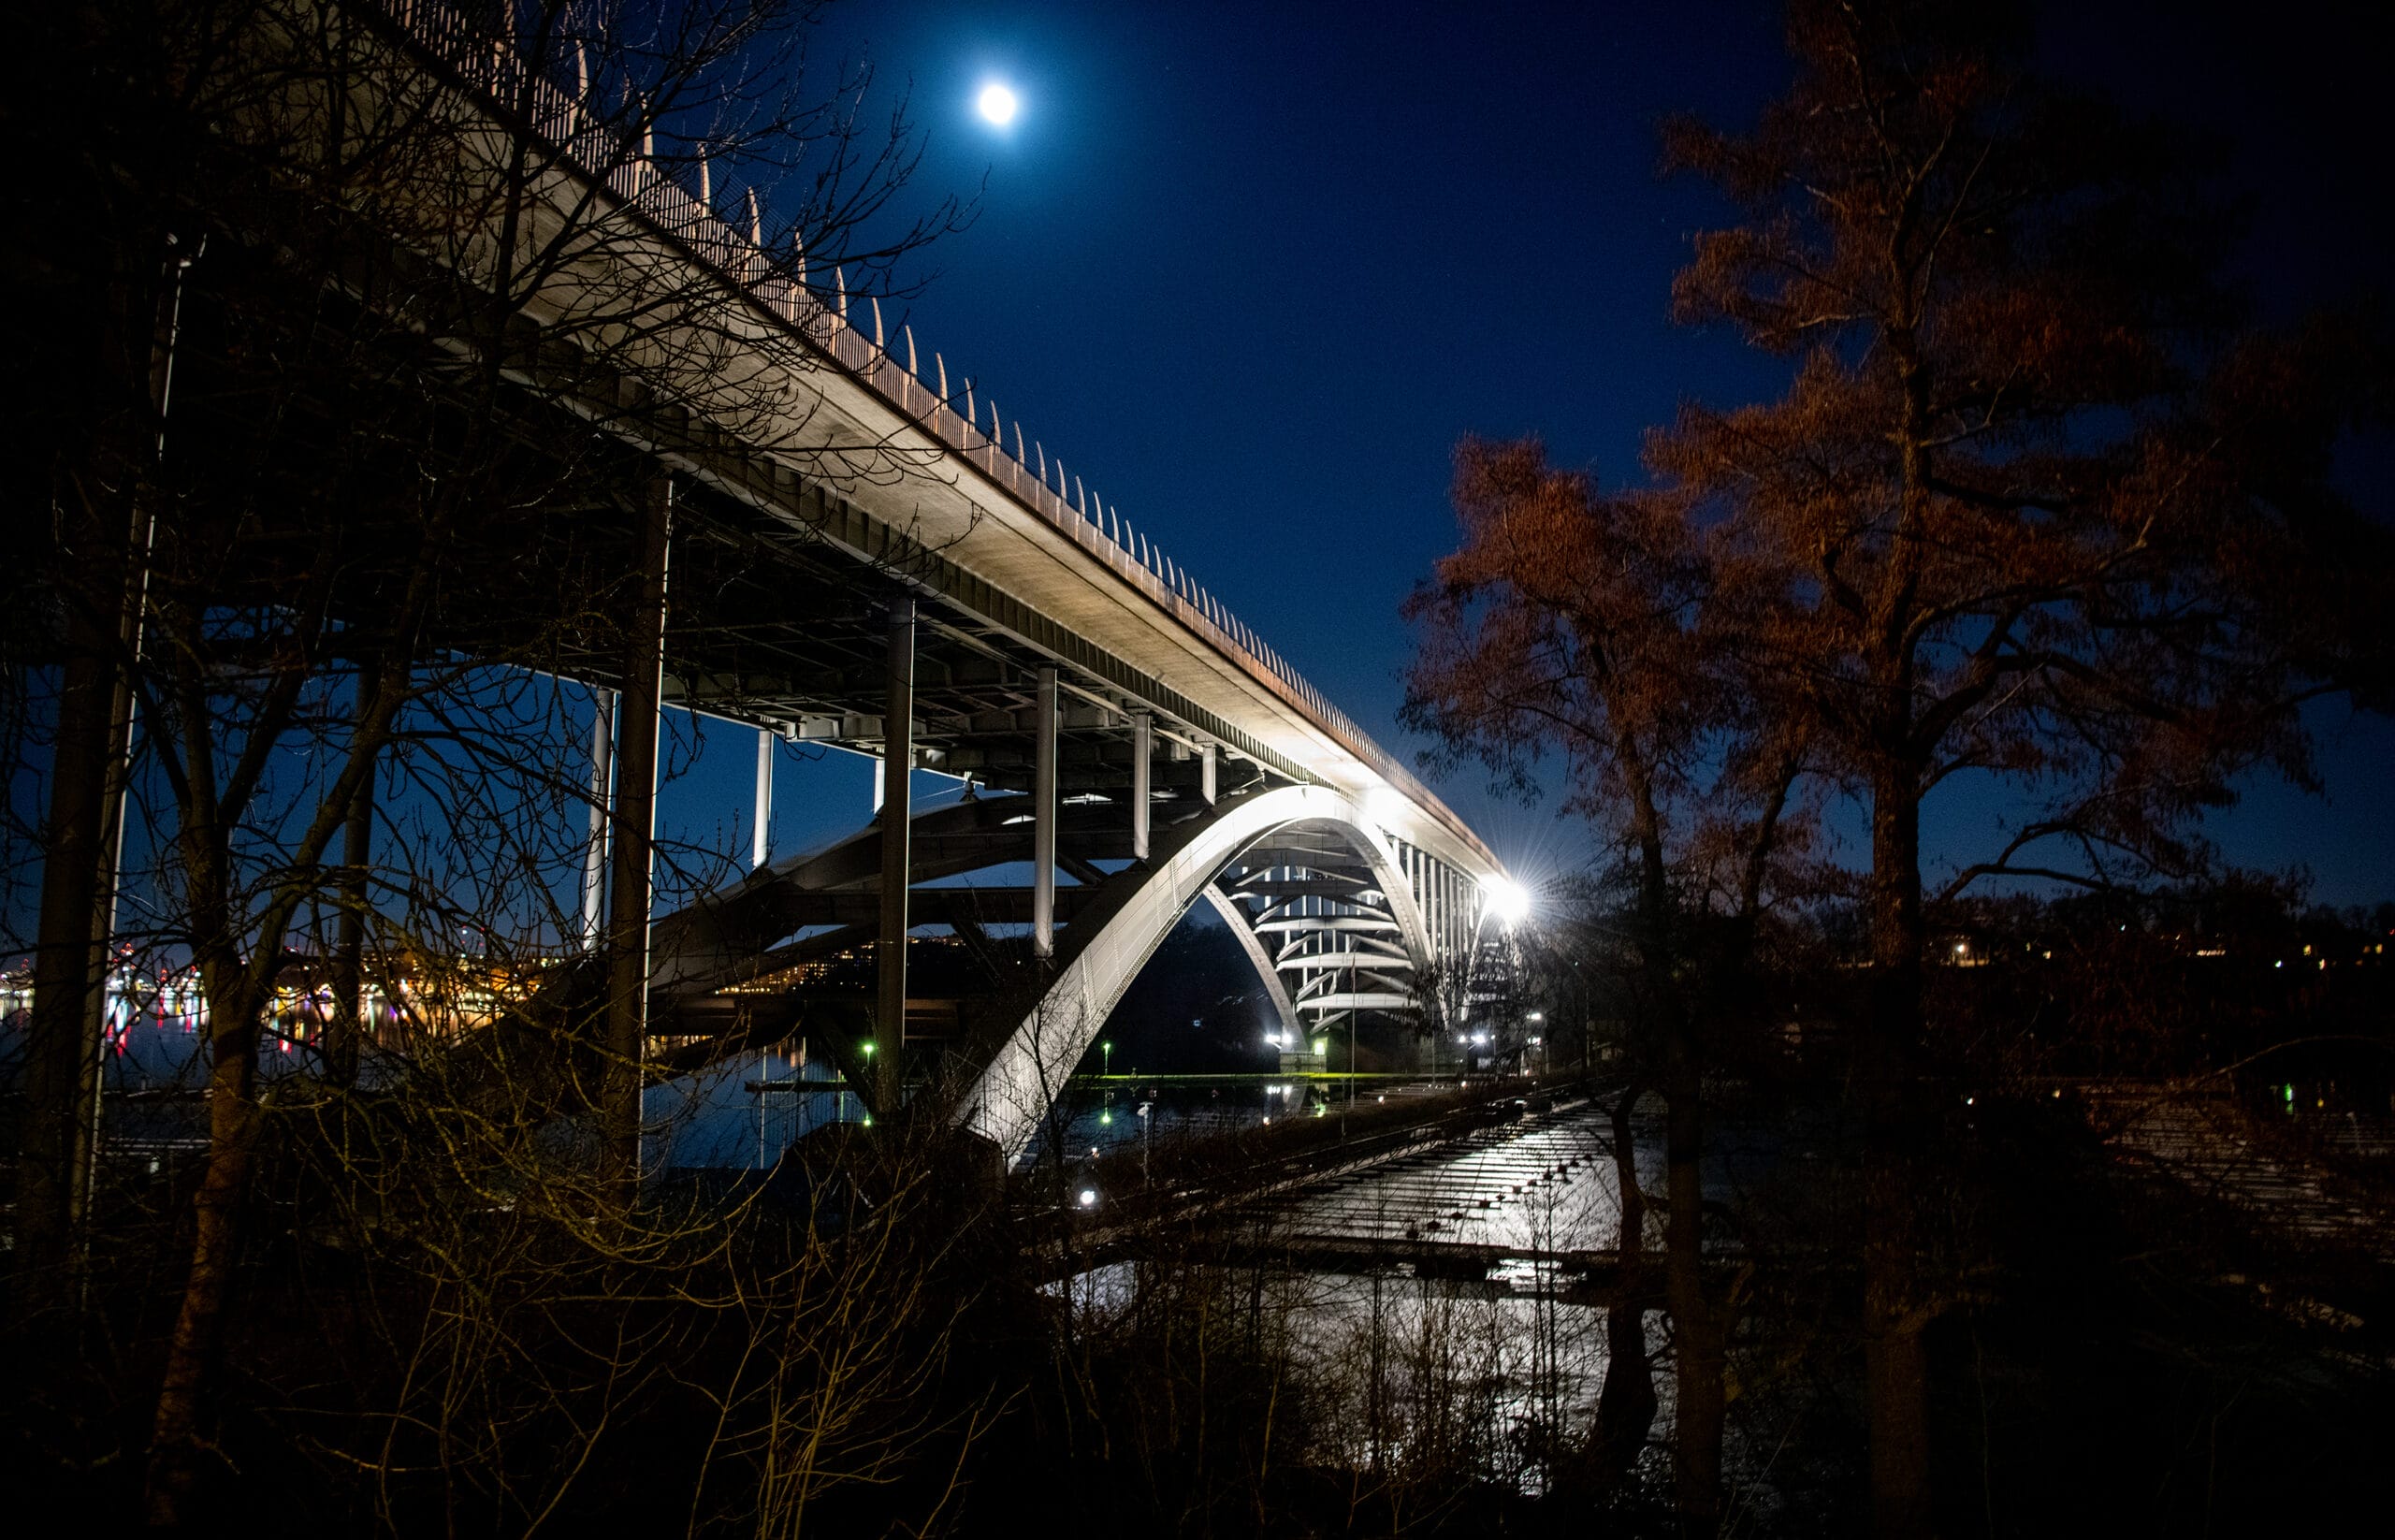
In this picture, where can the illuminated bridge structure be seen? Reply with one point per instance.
(889, 567)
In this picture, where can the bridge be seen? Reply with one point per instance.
(888, 566)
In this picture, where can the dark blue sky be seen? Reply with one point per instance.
(1253, 271)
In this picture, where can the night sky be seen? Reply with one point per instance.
(1251, 272)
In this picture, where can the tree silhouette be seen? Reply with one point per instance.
(2040, 504)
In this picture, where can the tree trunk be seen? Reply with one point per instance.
(97, 566)
(1698, 1348)
(178, 1449)
(1626, 1406)
(57, 1124)
(1895, 1366)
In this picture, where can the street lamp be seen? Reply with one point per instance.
(1106, 1058)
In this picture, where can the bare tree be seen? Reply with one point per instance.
(2037, 504)
(454, 277)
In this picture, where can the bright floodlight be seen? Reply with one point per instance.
(1507, 899)
(1089, 1199)
(998, 104)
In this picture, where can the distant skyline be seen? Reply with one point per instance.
(1251, 275)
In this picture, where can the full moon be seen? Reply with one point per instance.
(998, 104)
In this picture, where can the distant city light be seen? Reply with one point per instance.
(998, 104)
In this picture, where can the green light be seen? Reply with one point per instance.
(2291, 1096)
(869, 1048)
(1105, 1117)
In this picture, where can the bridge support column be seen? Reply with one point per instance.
(1142, 746)
(345, 1033)
(897, 810)
(1043, 823)
(759, 842)
(1208, 772)
(635, 832)
(602, 780)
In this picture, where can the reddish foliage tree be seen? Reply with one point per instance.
(1598, 624)
(2043, 510)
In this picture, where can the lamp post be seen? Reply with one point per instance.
(1106, 1058)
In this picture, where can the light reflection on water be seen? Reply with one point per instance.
(1503, 1356)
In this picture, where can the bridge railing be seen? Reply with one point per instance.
(488, 62)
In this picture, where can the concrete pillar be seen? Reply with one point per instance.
(897, 811)
(1208, 773)
(760, 840)
(602, 780)
(1043, 823)
(1439, 905)
(1429, 904)
(635, 834)
(1142, 747)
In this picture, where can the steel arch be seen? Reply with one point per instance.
(1011, 1095)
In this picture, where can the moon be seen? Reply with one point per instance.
(998, 104)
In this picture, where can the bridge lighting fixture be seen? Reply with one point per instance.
(1089, 1198)
(1507, 899)
(996, 104)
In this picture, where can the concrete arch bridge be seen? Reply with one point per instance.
(824, 533)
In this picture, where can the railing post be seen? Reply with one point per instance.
(635, 834)
(897, 810)
(1043, 825)
(1143, 748)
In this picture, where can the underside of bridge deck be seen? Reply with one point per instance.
(1116, 734)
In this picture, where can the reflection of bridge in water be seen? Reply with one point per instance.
(949, 600)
